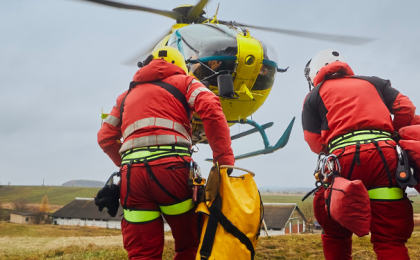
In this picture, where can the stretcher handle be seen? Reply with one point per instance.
(237, 168)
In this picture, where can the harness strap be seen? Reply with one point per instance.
(176, 93)
(362, 136)
(177, 208)
(128, 184)
(140, 216)
(386, 194)
(388, 172)
(138, 155)
(217, 217)
(356, 159)
(132, 85)
(166, 86)
(153, 177)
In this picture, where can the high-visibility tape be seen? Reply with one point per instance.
(140, 216)
(362, 136)
(192, 82)
(156, 121)
(156, 152)
(152, 140)
(178, 208)
(385, 193)
(112, 120)
(195, 93)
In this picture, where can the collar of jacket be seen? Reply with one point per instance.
(333, 68)
(157, 70)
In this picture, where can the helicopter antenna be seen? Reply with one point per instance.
(215, 15)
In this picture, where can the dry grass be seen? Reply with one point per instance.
(40, 231)
(53, 242)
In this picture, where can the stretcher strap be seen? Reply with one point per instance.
(140, 216)
(386, 193)
(217, 217)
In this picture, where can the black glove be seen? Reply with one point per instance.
(108, 197)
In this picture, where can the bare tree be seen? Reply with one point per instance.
(20, 205)
(1, 211)
(308, 211)
(45, 205)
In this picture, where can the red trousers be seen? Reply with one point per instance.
(392, 221)
(146, 240)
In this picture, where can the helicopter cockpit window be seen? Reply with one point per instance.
(215, 46)
(268, 69)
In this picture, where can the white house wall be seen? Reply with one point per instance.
(88, 223)
(95, 223)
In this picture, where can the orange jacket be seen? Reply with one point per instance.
(152, 116)
(342, 103)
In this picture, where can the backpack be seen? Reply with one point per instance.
(233, 213)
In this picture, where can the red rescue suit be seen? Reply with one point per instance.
(154, 117)
(342, 103)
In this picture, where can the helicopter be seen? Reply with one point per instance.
(228, 60)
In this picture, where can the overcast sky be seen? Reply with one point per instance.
(61, 61)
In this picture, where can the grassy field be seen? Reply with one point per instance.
(58, 195)
(53, 242)
(298, 200)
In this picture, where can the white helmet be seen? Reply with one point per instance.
(320, 60)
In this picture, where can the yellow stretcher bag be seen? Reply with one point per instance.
(233, 213)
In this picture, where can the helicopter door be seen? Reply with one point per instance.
(210, 50)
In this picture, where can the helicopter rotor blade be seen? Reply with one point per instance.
(142, 55)
(195, 11)
(170, 14)
(319, 36)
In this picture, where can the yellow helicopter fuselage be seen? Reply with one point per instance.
(247, 67)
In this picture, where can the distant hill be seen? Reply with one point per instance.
(83, 183)
(58, 195)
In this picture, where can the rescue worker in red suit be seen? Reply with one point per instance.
(349, 116)
(155, 154)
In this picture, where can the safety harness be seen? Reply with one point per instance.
(144, 155)
(390, 193)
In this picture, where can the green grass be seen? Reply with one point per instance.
(58, 195)
(286, 199)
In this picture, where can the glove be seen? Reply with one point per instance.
(108, 197)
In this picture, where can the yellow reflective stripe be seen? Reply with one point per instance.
(146, 153)
(177, 209)
(386, 193)
(127, 158)
(139, 216)
(360, 133)
(352, 142)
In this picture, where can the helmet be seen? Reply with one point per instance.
(171, 55)
(320, 60)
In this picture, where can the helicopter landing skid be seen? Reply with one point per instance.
(267, 147)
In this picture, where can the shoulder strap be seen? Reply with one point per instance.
(217, 217)
(176, 93)
(168, 87)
